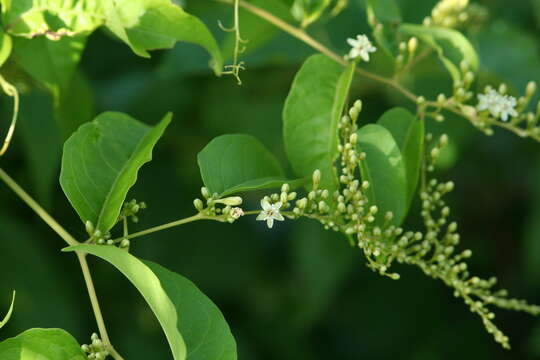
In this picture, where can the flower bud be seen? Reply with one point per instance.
(316, 178)
(412, 45)
(231, 201)
(205, 192)
(531, 89)
(124, 243)
(198, 204)
(89, 227)
(285, 188)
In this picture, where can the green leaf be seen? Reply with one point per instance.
(158, 24)
(236, 163)
(55, 66)
(193, 325)
(384, 168)
(46, 344)
(408, 133)
(10, 311)
(384, 16)
(6, 46)
(451, 46)
(100, 164)
(51, 18)
(311, 115)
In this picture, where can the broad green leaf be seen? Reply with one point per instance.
(193, 325)
(100, 164)
(309, 11)
(158, 24)
(384, 168)
(311, 115)
(55, 66)
(408, 133)
(451, 46)
(51, 18)
(384, 16)
(235, 163)
(10, 311)
(42, 344)
(6, 46)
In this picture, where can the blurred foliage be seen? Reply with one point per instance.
(295, 292)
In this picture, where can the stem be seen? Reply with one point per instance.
(44, 215)
(169, 225)
(95, 305)
(70, 240)
(11, 91)
(306, 38)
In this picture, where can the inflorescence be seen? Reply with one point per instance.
(434, 249)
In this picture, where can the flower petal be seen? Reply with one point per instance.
(270, 222)
(278, 216)
(265, 204)
(262, 216)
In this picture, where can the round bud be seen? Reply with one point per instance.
(198, 204)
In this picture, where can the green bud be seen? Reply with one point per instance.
(231, 201)
(285, 188)
(124, 243)
(89, 227)
(205, 192)
(412, 45)
(316, 178)
(198, 204)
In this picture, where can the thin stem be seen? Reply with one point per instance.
(70, 240)
(169, 225)
(11, 91)
(306, 38)
(95, 305)
(44, 215)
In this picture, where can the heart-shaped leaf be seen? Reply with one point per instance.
(193, 325)
(100, 164)
(236, 163)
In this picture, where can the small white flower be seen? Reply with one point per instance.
(361, 47)
(508, 108)
(236, 212)
(498, 105)
(270, 212)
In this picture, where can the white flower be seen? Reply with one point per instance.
(361, 47)
(498, 105)
(508, 107)
(270, 212)
(236, 212)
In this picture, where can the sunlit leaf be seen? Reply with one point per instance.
(147, 25)
(46, 344)
(193, 325)
(100, 164)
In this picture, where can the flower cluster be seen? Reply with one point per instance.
(222, 209)
(456, 14)
(498, 105)
(96, 350)
(434, 250)
(361, 47)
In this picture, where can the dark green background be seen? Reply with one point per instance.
(295, 292)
